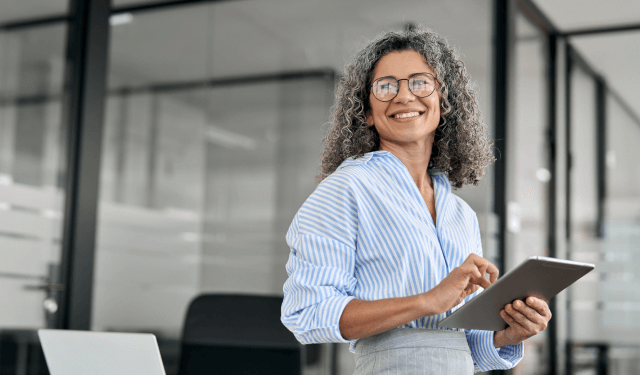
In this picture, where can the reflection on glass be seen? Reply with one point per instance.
(583, 167)
(159, 47)
(528, 169)
(124, 3)
(262, 156)
(31, 167)
(609, 303)
(623, 172)
(19, 10)
(149, 218)
(197, 188)
(583, 245)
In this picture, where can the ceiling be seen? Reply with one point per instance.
(616, 56)
(578, 14)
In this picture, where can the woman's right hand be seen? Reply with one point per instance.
(460, 283)
(362, 318)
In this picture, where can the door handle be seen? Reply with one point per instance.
(45, 287)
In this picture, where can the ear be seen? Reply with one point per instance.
(369, 118)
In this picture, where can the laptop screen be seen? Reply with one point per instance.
(100, 353)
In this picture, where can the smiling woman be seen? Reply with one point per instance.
(463, 149)
(382, 250)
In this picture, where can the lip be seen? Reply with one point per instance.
(420, 113)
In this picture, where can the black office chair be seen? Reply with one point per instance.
(239, 335)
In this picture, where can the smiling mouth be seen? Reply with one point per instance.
(406, 115)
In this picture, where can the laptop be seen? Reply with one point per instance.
(100, 353)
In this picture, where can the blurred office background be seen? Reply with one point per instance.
(153, 151)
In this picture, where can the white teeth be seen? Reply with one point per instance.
(405, 115)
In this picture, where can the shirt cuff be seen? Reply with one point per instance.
(327, 330)
(486, 357)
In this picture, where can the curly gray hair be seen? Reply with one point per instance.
(462, 149)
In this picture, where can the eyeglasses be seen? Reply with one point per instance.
(420, 84)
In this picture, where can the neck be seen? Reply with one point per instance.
(415, 157)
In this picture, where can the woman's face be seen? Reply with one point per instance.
(406, 120)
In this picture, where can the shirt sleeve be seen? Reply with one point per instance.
(485, 356)
(322, 239)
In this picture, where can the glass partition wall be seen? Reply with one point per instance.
(211, 146)
(607, 302)
(583, 244)
(528, 169)
(621, 236)
(32, 186)
(603, 226)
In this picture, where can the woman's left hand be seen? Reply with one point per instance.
(524, 319)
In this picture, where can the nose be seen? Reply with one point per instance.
(404, 94)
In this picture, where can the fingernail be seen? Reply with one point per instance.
(531, 300)
(516, 303)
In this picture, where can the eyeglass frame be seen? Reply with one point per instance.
(408, 86)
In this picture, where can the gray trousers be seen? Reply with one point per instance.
(414, 351)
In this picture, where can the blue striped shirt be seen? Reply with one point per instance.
(366, 233)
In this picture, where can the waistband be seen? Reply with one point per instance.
(412, 338)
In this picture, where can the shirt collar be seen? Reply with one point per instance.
(438, 175)
(387, 154)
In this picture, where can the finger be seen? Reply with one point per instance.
(471, 269)
(510, 321)
(493, 272)
(486, 267)
(471, 258)
(483, 282)
(531, 327)
(483, 268)
(540, 306)
(478, 260)
(476, 277)
(476, 273)
(483, 272)
(521, 319)
(472, 287)
(531, 314)
(473, 262)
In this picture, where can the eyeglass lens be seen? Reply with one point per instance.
(386, 88)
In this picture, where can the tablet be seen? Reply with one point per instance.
(540, 277)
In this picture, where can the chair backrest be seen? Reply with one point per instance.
(237, 334)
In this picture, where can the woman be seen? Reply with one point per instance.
(382, 250)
